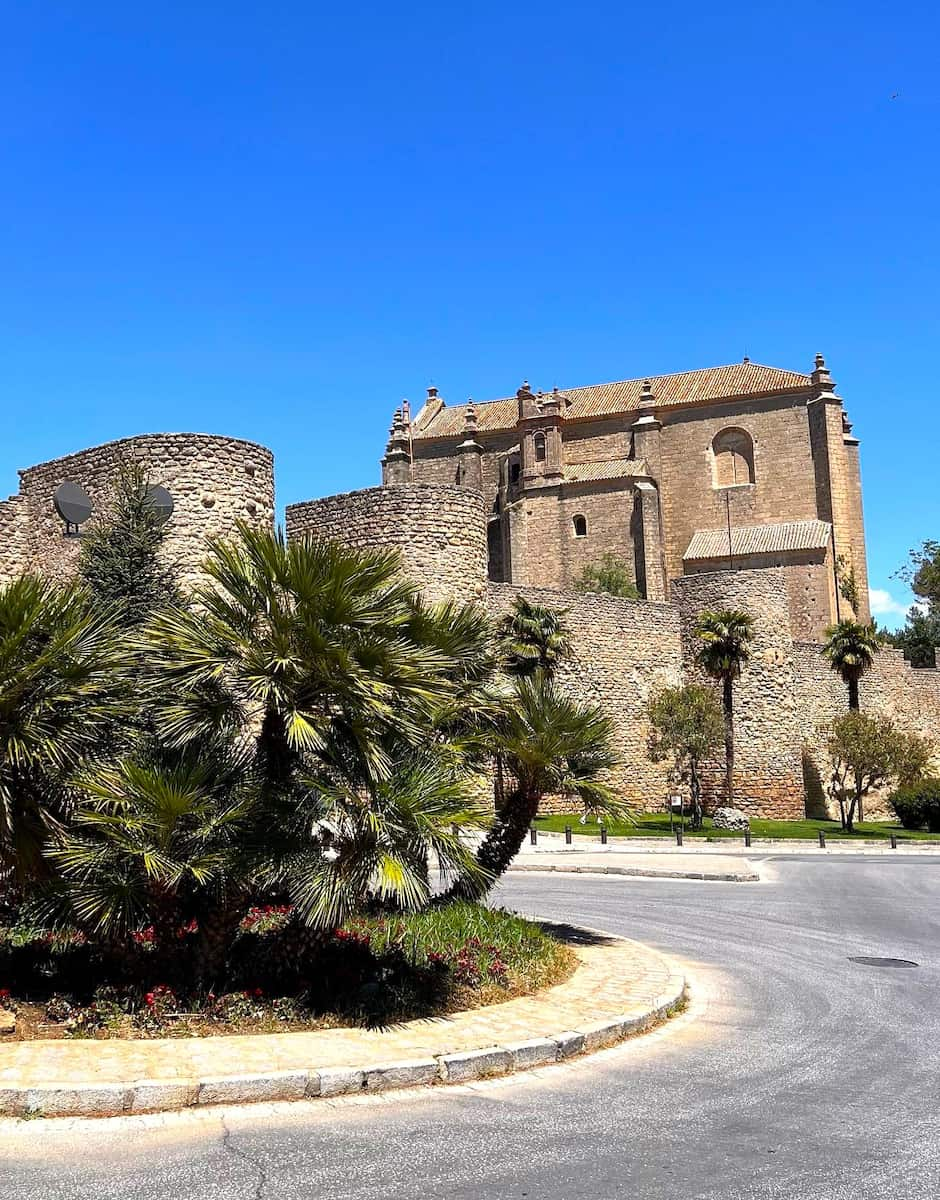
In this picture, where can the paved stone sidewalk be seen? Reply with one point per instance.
(620, 988)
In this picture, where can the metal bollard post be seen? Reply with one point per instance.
(894, 842)
(603, 835)
(567, 835)
(747, 837)
(533, 835)
(678, 835)
(822, 840)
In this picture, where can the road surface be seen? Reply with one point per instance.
(797, 1073)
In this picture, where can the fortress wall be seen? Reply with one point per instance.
(810, 584)
(214, 481)
(624, 652)
(768, 777)
(13, 529)
(440, 530)
(893, 688)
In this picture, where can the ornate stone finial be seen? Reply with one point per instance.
(646, 395)
(820, 376)
(432, 393)
(470, 416)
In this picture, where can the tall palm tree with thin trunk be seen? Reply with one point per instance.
(725, 648)
(534, 637)
(850, 649)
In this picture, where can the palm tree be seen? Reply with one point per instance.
(163, 843)
(373, 843)
(725, 637)
(534, 638)
(850, 649)
(313, 648)
(62, 665)
(550, 744)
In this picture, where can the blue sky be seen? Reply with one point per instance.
(276, 221)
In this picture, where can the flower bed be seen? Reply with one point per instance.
(372, 970)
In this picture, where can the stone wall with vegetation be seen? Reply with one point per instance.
(440, 530)
(214, 481)
(768, 776)
(624, 652)
(893, 688)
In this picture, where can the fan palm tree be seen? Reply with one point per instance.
(62, 664)
(160, 843)
(534, 638)
(850, 649)
(316, 649)
(356, 845)
(725, 636)
(550, 744)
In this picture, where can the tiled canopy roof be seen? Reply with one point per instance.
(614, 468)
(759, 539)
(605, 399)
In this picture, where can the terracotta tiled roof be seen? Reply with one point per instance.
(605, 399)
(759, 539)
(614, 468)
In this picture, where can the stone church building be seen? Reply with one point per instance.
(734, 467)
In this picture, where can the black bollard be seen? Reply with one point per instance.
(747, 837)
(679, 835)
(603, 835)
(533, 835)
(822, 840)
(894, 842)
(567, 835)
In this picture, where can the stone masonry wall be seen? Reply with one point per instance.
(893, 688)
(440, 530)
(13, 530)
(810, 585)
(624, 652)
(214, 481)
(768, 776)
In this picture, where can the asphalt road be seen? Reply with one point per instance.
(797, 1073)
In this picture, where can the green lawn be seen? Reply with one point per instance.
(657, 825)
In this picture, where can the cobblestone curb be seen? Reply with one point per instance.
(620, 988)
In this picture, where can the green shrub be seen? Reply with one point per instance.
(918, 804)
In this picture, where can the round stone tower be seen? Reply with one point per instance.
(439, 529)
(214, 481)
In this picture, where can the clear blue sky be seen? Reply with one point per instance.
(276, 221)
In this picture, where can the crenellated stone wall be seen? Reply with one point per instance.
(214, 481)
(439, 529)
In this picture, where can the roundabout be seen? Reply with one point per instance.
(796, 1072)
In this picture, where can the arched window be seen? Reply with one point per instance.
(580, 526)
(733, 454)
(539, 440)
